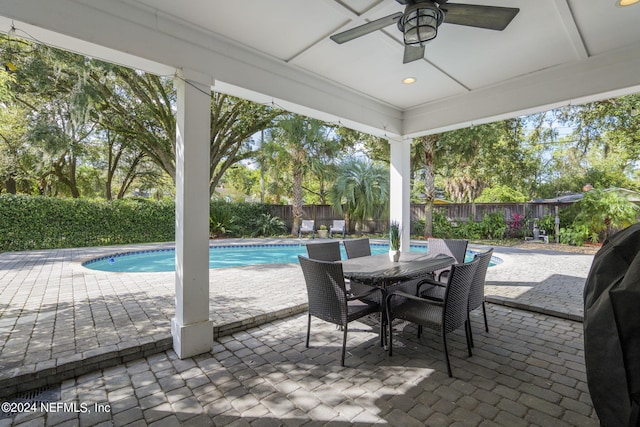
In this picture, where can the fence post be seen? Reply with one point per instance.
(557, 221)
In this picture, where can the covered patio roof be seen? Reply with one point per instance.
(278, 52)
(554, 52)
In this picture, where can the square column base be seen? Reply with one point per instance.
(191, 340)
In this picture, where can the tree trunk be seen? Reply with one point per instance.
(130, 176)
(70, 179)
(428, 143)
(10, 183)
(297, 198)
(111, 170)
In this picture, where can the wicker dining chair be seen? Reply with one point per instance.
(324, 251)
(328, 298)
(444, 316)
(456, 248)
(357, 248)
(435, 290)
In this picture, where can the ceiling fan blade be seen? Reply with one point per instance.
(471, 15)
(412, 53)
(367, 28)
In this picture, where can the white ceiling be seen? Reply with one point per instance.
(553, 52)
(544, 34)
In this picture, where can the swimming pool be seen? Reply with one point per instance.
(163, 260)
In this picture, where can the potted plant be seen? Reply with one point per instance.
(322, 232)
(394, 242)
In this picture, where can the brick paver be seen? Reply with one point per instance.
(60, 316)
(544, 281)
(309, 386)
(60, 321)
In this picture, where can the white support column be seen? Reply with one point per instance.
(191, 328)
(400, 188)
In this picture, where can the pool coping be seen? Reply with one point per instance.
(374, 242)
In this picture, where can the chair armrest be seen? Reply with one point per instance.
(412, 297)
(359, 296)
(428, 282)
(442, 273)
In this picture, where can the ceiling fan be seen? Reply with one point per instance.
(420, 21)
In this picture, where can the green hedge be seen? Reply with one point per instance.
(28, 222)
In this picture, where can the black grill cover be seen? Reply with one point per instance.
(612, 329)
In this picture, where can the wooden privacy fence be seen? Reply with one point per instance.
(476, 211)
(324, 214)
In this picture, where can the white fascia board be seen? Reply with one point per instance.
(58, 40)
(146, 39)
(602, 76)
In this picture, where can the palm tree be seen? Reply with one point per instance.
(603, 210)
(423, 156)
(363, 188)
(272, 161)
(300, 137)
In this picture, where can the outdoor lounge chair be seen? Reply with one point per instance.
(435, 290)
(307, 226)
(444, 316)
(338, 226)
(328, 299)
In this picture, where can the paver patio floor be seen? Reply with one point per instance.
(61, 319)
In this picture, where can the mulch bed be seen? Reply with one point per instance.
(586, 249)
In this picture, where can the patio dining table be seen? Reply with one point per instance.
(379, 270)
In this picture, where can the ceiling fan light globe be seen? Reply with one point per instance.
(419, 35)
(420, 22)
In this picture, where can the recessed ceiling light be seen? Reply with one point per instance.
(411, 80)
(626, 2)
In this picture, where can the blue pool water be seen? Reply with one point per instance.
(163, 260)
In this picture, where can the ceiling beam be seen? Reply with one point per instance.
(570, 26)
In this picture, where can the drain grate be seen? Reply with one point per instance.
(17, 403)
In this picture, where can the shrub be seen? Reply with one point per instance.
(28, 222)
(576, 235)
(517, 226)
(493, 225)
(441, 225)
(601, 211)
(418, 227)
(233, 219)
(467, 230)
(266, 225)
(221, 219)
(547, 224)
